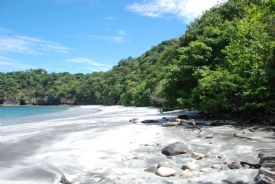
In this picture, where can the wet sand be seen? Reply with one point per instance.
(104, 147)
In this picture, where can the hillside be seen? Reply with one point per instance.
(223, 63)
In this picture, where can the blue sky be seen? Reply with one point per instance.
(87, 35)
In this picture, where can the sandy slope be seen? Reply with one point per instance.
(104, 147)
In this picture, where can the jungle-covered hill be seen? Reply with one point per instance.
(223, 63)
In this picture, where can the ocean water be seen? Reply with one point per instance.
(10, 115)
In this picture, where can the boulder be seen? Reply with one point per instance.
(234, 165)
(186, 174)
(197, 156)
(176, 148)
(166, 172)
(190, 165)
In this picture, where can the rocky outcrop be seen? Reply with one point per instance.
(176, 148)
(266, 174)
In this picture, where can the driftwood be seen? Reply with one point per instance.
(253, 166)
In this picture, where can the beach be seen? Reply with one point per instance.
(104, 147)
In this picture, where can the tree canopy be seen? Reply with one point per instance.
(223, 63)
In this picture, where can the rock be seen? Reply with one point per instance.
(151, 169)
(176, 148)
(191, 166)
(166, 172)
(234, 165)
(186, 174)
(183, 116)
(197, 156)
(68, 179)
(134, 120)
(149, 121)
(266, 174)
(166, 164)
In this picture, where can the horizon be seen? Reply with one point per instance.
(86, 36)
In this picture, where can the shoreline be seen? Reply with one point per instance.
(106, 147)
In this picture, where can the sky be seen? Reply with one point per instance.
(83, 36)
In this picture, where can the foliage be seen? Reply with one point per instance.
(223, 63)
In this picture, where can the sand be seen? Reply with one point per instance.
(104, 147)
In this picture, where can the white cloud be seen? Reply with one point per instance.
(29, 45)
(8, 62)
(90, 63)
(185, 9)
(119, 37)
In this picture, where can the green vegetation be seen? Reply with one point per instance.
(223, 63)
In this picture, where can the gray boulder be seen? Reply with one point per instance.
(176, 148)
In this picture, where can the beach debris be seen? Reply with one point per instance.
(166, 172)
(176, 148)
